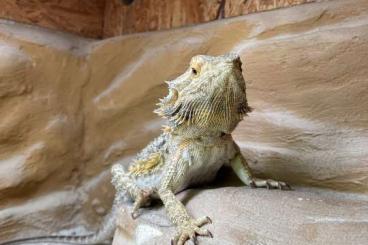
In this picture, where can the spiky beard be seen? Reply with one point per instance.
(220, 110)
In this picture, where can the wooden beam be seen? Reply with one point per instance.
(152, 15)
(84, 17)
(242, 7)
(113, 18)
(109, 18)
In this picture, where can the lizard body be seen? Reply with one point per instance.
(203, 107)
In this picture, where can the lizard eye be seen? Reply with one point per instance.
(194, 71)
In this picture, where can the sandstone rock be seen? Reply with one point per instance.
(249, 216)
(71, 107)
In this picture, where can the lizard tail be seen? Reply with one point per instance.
(101, 237)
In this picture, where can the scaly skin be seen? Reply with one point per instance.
(203, 107)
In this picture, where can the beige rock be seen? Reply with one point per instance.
(247, 216)
(71, 107)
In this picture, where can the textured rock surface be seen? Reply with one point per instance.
(302, 216)
(71, 107)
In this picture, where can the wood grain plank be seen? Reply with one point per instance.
(241, 7)
(84, 17)
(153, 15)
(109, 18)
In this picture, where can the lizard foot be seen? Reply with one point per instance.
(269, 184)
(190, 230)
(141, 200)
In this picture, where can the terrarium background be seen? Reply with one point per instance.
(71, 106)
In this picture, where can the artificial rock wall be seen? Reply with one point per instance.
(71, 107)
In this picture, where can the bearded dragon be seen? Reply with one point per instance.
(203, 107)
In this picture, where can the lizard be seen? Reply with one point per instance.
(202, 108)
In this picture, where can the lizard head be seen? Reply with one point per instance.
(209, 96)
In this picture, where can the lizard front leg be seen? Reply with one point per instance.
(188, 228)
(242, 170)
(123, 181)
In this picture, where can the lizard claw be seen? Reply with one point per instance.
(190, 230)
(287, 186)
(252, 184)
(193, 239)
(203, 221)
(142, 199)
(134, 214)
(209, 220)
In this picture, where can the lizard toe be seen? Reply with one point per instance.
(270, 184)
(191, 230)
(203, 221)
